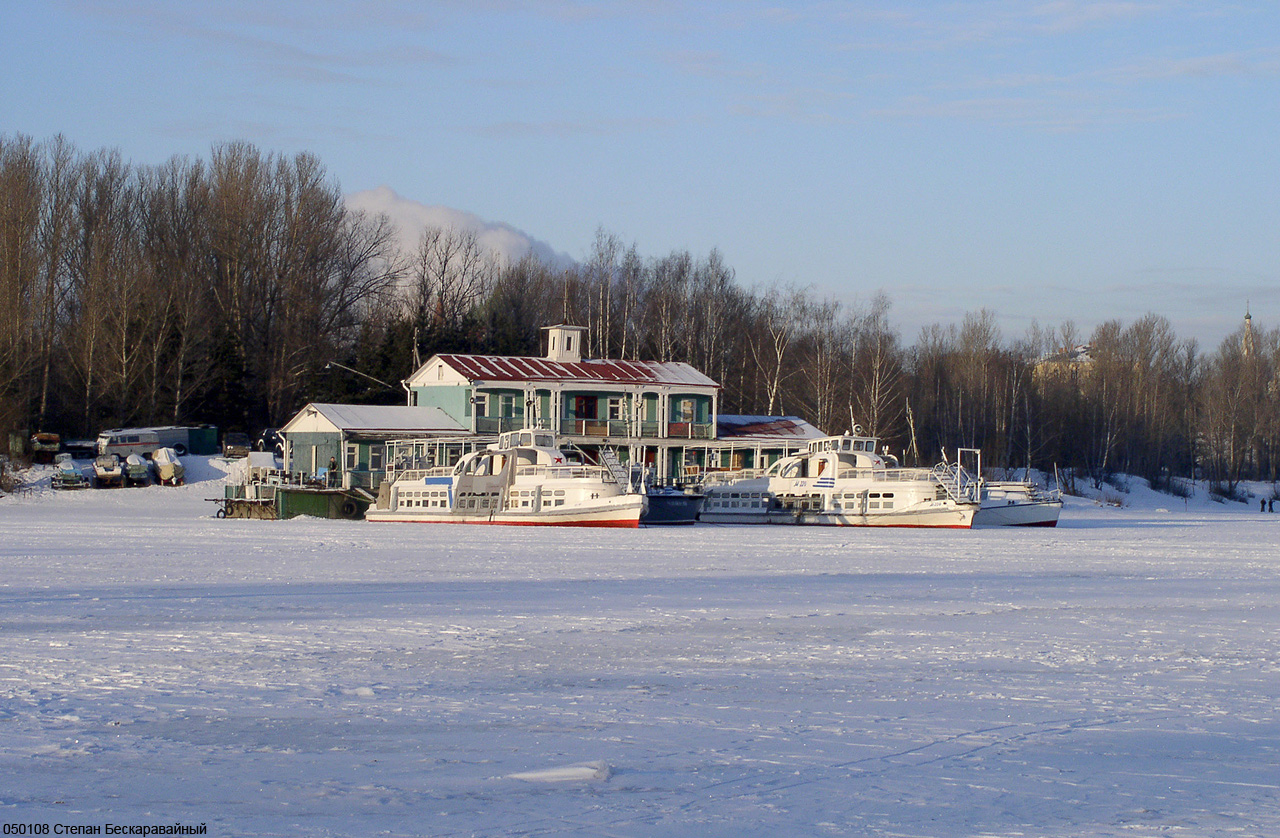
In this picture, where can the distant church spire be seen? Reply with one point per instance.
(1247, 342)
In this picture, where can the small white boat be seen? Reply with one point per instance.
(107, 471)
(136, 471)
(169, 469)
(523, 479)
(1018, 504)
(842, 481)
(67, 474)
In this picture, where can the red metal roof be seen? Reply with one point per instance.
(780, 427)
(513, 368)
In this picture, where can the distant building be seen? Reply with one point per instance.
(1065, 363)
(650, 409)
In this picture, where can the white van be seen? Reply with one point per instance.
(126, 441)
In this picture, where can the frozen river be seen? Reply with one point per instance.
(1119, 675)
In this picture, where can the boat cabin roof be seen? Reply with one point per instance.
(845, 442)
(527, 437)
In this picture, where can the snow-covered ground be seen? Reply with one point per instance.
(1119, 675)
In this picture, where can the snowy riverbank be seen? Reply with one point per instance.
(1118, 675)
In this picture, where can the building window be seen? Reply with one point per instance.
(353, 456)
(615, 408)
(376, 454)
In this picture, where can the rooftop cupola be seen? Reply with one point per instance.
(564, 343)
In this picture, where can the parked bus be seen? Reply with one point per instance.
(182, 439)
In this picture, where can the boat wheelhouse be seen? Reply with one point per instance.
(842, 481)
(525, 478)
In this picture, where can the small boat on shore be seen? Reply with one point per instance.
(525, 479)
(168, 466)
(842, 481)
(67, 474)
(137, 472)
(1018, 504)
(107, 471)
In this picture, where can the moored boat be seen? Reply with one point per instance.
(842, 481)
(668, 505)
(523, 479)
(1018, 504)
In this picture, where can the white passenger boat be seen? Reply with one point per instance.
(1018, 504)
(523, 479)
(842, 481)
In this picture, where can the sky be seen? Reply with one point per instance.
(1051, 162)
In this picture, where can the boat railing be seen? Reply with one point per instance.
(885, 475)
(566, 472)
(723, 478)
(424, 473)
(962, 486)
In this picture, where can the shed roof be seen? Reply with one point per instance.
(374, 419)
(515, 368)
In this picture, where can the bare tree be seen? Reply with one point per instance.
(777, 320)
(876, 371)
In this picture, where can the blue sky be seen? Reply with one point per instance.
(1060, 160)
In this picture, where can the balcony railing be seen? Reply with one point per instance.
(498, 424)
(598, 427)
(595, 427)
(690, 430)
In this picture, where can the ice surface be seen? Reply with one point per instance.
(1117, 675)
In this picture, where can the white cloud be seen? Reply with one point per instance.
(411, 217)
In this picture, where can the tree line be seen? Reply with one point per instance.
(219, 291)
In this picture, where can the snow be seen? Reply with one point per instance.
(1118, 675)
